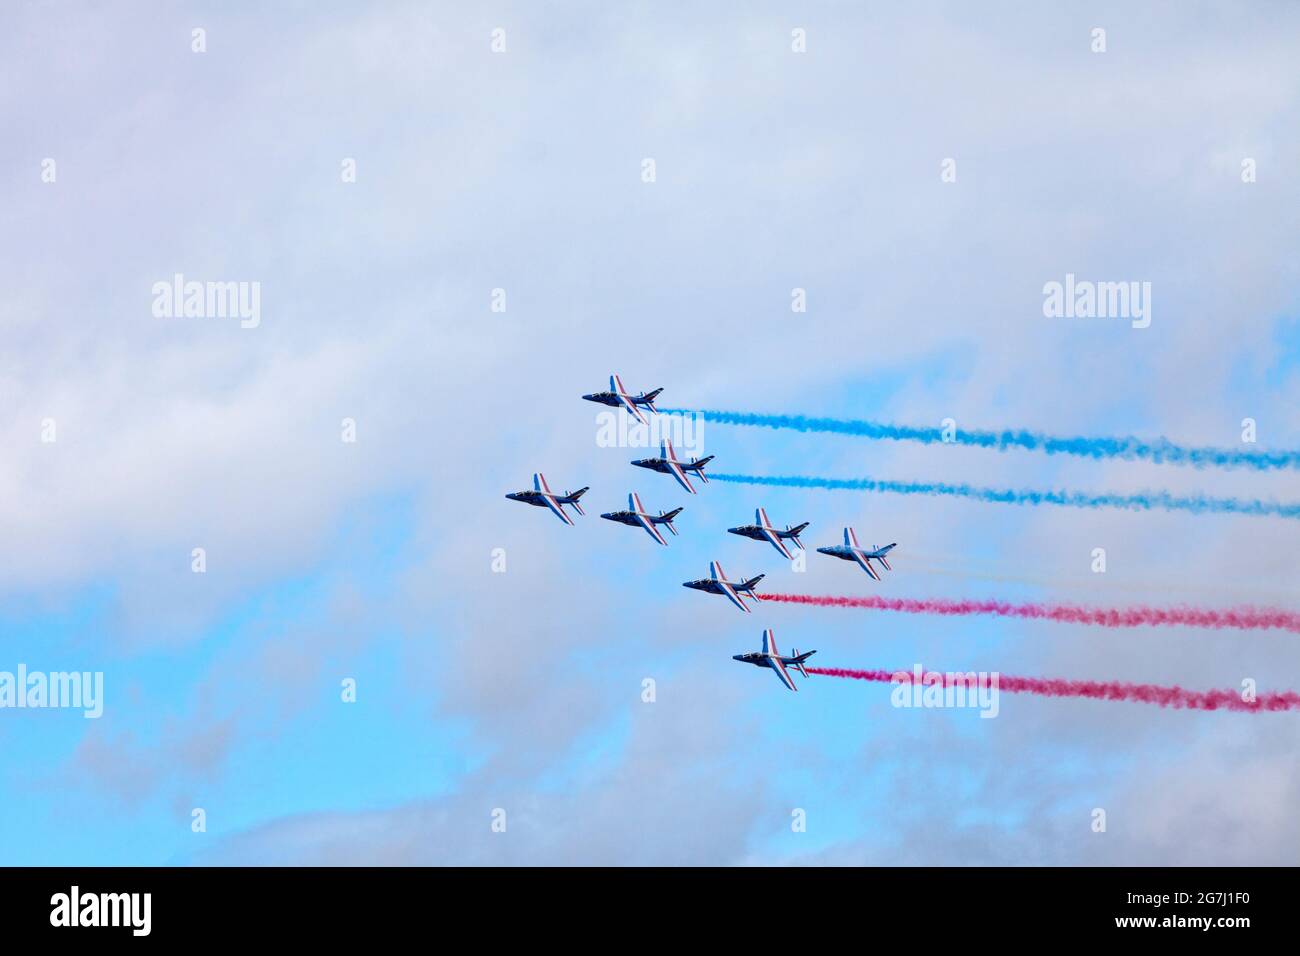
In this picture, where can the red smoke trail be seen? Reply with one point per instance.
(1243, 618)
(1175, 696)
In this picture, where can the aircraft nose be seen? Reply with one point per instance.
(737, 657)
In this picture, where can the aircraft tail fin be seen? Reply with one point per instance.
(699, 464)
(573, 499)
(668, 518)
(800, 658)
(648, 399)
(794, 534)
(749, 586)
(797, 659)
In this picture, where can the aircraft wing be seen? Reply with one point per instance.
(726, 588)
(544, 490)
(777, 543)
(675, 470)
(557, 508)
(650, 528)
(616, 386)
(864, 564)
(631, 406)
(781, 673)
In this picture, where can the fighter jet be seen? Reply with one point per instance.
(763, 531)
(638, 517)
(618, 395)
(769, 656)
(717, 583)
(850, 551)
(667, 464)
(542, 497)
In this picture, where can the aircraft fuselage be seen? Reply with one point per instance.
(841, 552)
(528, 498)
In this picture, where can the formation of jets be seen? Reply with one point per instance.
(636, 515)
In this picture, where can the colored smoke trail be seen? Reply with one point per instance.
(1141, 501)
(1240, 618)
(1174, 696)
(1160, 451)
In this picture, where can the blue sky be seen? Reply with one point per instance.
(521, 170)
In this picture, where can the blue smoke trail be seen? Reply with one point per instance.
(1160, 451)
(1142, 501)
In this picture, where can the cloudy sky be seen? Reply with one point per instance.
(129, 158)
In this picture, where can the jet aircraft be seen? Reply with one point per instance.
(638, 517)
(850, 550)
(762, 530)
(769, 656)
(618, 395)
(541, 496)
(667, 464)
(717, 583)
